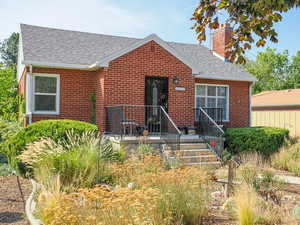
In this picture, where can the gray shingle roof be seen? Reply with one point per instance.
(48, 45)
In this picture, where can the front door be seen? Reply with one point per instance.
(156, 95)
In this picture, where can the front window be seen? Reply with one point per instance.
(46, 94)
(211, 97)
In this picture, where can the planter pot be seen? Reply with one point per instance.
(31, 204)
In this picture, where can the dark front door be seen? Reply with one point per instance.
(156, 95)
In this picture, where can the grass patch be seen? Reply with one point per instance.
(288, 159)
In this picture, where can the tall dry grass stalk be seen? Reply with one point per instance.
(246, 205)
(37, 150)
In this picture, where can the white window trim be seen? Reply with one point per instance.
(219, 85)
(57, 76)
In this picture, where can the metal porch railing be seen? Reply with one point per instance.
(209, 126)
(140, 120)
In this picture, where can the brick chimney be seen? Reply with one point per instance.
(220, 38)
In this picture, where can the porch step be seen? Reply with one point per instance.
(203, 163)
(187, 146)
(191, 154)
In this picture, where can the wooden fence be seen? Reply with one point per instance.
(289, 119)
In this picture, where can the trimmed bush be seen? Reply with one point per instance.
(263, 140)
(54, 129)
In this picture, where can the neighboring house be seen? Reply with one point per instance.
(277, 109)
(59, 70)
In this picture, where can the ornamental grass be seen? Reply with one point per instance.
(102, 206)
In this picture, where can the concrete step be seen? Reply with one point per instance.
(186, 146)
(190, 152)
(194, 159)
(217, 163)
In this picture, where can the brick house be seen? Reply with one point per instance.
(59, 71)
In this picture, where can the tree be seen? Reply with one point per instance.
(248, 17)
(9, 50)
(9, 100)
(275, 71)
(294, 79)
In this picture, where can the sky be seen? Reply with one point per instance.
(170, 19)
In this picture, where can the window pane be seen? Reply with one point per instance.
(222, 91)
(45, 103)
(211, 91)
(200, 102)
(211, 102)
(222, 104)
(200, 90)
(45, 84)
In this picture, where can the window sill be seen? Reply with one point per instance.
(45, 113)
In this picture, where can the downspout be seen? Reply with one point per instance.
(250, 104)
(30, 103)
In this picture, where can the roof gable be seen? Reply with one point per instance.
(153, 37)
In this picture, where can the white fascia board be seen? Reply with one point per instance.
(60, 65)
(219, 56)
(224, 78)
(275, 105)
(153, 37)
(20, 66)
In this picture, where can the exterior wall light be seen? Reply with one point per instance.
(175, 80)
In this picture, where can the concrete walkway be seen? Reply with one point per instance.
(289, 179)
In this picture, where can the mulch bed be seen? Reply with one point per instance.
(11, 204)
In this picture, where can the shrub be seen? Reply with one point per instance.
(7, 129)
(263, 140)
(288, 159)
(55, 129)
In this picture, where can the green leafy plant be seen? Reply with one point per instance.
(144, 149)
(263, 140)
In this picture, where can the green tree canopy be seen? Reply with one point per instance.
(9, 50)
(248, 17)
(275, 71)
(8, 94)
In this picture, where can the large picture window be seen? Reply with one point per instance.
(46, 94)
(213, 96)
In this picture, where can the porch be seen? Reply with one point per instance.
(134, 124)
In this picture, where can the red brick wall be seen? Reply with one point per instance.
(76, 87)
(238, 101)
(125, 81)
(99, 90)
(221, 38)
